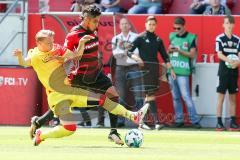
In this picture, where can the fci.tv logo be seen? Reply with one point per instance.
(1, 80)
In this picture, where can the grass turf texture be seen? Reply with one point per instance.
(92, 144)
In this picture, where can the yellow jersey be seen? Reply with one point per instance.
(46, 63)
(52, 74)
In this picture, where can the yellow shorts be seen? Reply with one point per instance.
(55, 98)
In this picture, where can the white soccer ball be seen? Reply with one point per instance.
(232, 57)
(134, 138)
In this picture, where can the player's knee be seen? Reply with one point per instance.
(103, 99)
(114, 99)
(70, 127)
(150, 98)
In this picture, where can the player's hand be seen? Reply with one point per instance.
(172, 49)
(235, 64)
(173, 74)
(138, 60)
(85, 39)
(195, 5)
(17, 52)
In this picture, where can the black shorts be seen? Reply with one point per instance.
(151, 78)
(98, 83)
(228, 83)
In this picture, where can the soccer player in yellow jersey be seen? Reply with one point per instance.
(48, 61)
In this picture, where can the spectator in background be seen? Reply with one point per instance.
(149, 44)
(216, 8)
(43, 6)
(227, 44)
(79, 5)
(127, 79)
(199, 6)
(111, 6)
(182, 50)
(146, 6)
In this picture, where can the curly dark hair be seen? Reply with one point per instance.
(91, 11)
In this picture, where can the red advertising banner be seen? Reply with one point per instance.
(20, 93)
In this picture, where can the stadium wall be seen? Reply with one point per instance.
(21, 95)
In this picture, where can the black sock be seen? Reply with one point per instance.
(153, 109)
(45, 118)
(113, 120)
(219, 120)
(233, 119)
(113, 130)
(101, 115)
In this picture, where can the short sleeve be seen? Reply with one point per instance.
(238, 46)
(60, 50)
(218, 45)
(68, 43)
(30, 53)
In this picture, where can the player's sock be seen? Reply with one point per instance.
(116, 108)
(59, 131)
(113, 120)
(47, 116)
(219, 120)
(153, 109)
(233, 119)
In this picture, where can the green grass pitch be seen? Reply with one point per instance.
(92, 144)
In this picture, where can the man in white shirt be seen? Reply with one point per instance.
(127, 74)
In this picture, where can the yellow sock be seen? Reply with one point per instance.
(117, 109)
(56, 132)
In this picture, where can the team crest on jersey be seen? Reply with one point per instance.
(230, 43)
(147, 41)
(49, 58)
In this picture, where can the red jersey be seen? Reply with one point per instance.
(88, 64)
(58, 49)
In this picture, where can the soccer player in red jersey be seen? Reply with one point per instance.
(87, 72)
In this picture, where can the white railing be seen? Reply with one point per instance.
(13, 30)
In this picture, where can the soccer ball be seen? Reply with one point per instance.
(134, 138)
(232, 57)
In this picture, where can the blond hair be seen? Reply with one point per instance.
(43, 34)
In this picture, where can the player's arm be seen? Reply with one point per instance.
(191, 53)
(137, 58)
(165, 57)
(135, 44)
(223, 57)
(132, 51)
(236, 63)
(219, 50)
(80, 49)
(25, 62)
